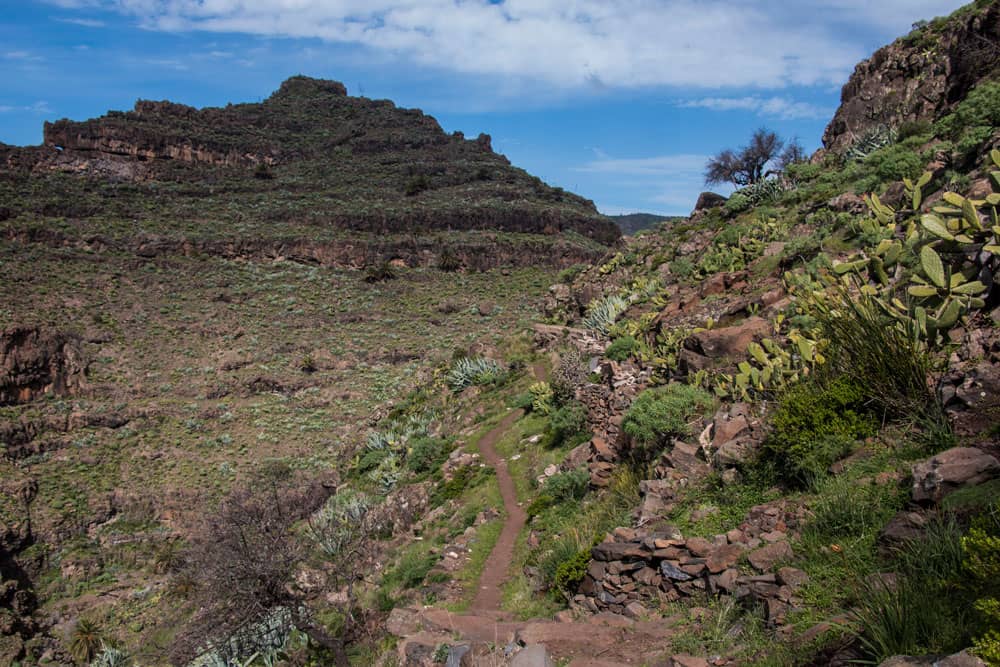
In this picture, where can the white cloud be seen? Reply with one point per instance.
(778, 107)
(40, 107)
(23, 56)
(86, 23)
(167, 63)
(701, 44)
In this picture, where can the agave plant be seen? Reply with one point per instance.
(110, 656)
(602, 313)
(870, 141)
(337, 522)
(475, 371)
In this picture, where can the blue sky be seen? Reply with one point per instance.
(620, 101)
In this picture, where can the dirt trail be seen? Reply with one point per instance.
(495, 571)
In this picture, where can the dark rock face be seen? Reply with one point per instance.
(36, 362)
(918, 77)
(707, 200)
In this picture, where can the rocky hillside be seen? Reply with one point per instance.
(919, 77)
(310, 165)
(766, 434)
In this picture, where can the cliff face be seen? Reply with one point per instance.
(921, 76)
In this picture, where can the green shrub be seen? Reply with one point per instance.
(682, 267)
(560, 488)
(411, 569)
(974, 119)
(380, 273)
(814, 426)
(427, 454)
(622, 348)
(981, 558)
(736, 204)
(565, 486)
(571, 571)
(449, 260)
(562, 556)
(881, 360)
(464, 478)
(569, 274)
(568, 425)
(540, 398)
(416, 185)
(663, 412)
(927, 609)
(913, 128)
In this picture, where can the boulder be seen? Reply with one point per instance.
(902, 528)
(963, 659)
(707, 200)
(729, 343)
(847, 203)
(534, 655)
(950, 470)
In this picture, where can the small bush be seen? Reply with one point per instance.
(380, 273)
(540, 398)
(568, 425)
(568, 275)
(570, 572)
(682, 267)
(464, 478)
(815, 425)
(416, 185)
(427, 454)
(881, 360)
(560, 488)
(411, 570)
(567, 486)
(449, 260)
(622, 348)
(663, 412)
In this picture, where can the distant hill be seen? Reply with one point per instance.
(636, 222)
(309, 164)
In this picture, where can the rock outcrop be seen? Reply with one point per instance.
(36, 362)
(919, 77)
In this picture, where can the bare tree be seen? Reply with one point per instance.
(246, 560)
(749, 165)
(793, 154)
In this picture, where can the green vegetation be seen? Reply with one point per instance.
(622, 348)
(567, 426)
(815, 425)
(478, 371)
(664, 412)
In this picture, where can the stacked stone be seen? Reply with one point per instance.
(633, 570)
